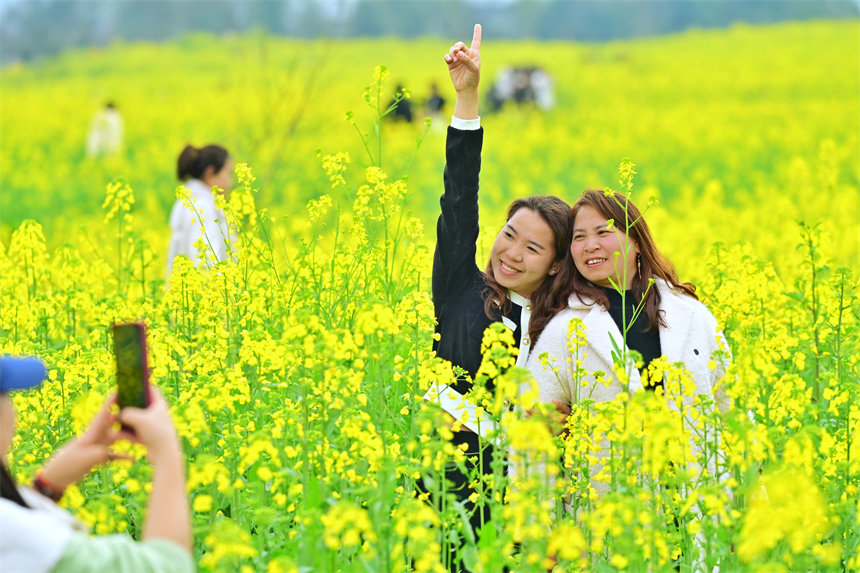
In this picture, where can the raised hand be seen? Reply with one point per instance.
(153, 428)
(464, 64)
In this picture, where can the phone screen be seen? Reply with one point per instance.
(131, 369)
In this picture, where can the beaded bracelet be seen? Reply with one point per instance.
(45, 488)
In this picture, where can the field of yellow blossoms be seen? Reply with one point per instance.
(295, 369)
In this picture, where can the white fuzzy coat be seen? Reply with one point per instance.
(691, 336)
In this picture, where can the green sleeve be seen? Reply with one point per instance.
(121, 554)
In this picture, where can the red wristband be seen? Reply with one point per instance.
(53, 493)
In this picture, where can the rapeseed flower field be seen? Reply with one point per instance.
(295, 369)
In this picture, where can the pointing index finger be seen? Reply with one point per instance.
(476, 38)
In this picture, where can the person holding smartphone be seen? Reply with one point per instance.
(38, 536)
(514, 288)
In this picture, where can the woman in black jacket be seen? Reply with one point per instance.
(515, 286)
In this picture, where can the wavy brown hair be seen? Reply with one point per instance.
(557, 215)
(652, 263)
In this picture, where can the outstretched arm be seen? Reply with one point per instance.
(464, 65)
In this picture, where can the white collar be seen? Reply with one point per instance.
(518, 299)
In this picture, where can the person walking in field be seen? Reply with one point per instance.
(198, 227)
(403, 108)
(105, 136)
(513, 288)
(37, 536)
(435, 102)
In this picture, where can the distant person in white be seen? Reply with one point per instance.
(202, 169)
(544, 92)
(105, 136)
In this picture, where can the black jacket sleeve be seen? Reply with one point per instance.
(457, 229)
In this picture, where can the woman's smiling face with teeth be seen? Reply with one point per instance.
(594, 246)
(523, 252)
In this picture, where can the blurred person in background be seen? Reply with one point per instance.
(38, 536)
(201, 170)
(105, 137)
(435, 102)
(513, 288)
(403, 108)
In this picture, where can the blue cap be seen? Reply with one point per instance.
(20, 373)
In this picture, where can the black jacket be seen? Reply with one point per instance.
(457, 280)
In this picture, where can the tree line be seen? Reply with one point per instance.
(30, 29)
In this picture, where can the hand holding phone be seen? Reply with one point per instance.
(154, 429)
(79, 456)
(132, 371)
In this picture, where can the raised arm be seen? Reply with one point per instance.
(464, 65)
(168, 516)
(454, 269)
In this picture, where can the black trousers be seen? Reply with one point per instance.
(479, 456)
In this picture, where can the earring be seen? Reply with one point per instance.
(639, 265)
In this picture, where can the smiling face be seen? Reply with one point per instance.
(523, 253)
(594, 246)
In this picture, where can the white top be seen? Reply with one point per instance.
(690, 336)
(33, 540)
(105, 137)
(204, 221)
(44, 538)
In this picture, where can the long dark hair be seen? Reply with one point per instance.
(652, 263)
(193, 161)
(8, 488)
(557, 214)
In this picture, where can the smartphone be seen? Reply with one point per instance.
(132, 371)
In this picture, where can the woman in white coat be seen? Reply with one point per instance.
(202, 170)
(661, 315)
